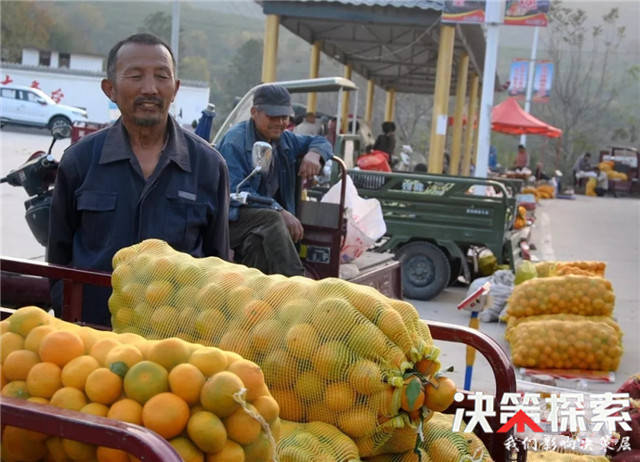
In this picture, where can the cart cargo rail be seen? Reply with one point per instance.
(134, 439)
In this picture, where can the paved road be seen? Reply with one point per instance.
(588, 228)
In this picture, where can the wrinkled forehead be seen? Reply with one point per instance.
(141, 55)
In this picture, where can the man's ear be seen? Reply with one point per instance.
(108, 89)
(175, 92)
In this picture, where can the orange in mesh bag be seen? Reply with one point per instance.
(572, 294)
(554, 344)
(330, 350)
(440, 444)
(207, 402)
(513, 322)
(314, 441)
(560, 268)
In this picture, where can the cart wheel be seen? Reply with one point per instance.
(425, 270)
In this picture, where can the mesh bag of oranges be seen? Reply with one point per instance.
(441, 444)
(573, 294)
(562, 268)
(570, 344)
(513, 322)
(314, 441)
(205, 401)
(331, 351)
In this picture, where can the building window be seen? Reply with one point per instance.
(45, 58)
(63, 60)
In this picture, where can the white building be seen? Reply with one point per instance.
(74, 79)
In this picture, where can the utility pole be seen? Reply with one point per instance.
(532, 70)
(493, 15)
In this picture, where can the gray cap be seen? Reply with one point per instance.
(274, 100)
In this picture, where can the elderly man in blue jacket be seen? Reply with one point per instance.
(264, 236)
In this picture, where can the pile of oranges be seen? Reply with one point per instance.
(331, 351)
(562, 319)
(205, 401)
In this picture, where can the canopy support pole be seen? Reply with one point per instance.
(461, 95)
(270, 53)
(471, 130)
(439, 118)
(345, 101)
(314, 65)
(493, 15)
(390, 105)
(368, 112)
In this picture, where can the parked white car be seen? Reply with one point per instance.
(30, 106)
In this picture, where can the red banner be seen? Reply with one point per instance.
(526, 13)
(463, 11)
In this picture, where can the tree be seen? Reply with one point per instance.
(584, 86)
(194, 68)
(158, 24)
(23, 24)
(243, 72)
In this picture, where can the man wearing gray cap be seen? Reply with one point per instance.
(264, 236)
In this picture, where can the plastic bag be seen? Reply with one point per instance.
(375, 160)
(365, 223)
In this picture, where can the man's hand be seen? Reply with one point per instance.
(293, 225)
(310, 165)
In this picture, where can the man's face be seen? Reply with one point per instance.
(145, 84)
(270, 128)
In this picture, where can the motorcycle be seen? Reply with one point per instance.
(37, 176)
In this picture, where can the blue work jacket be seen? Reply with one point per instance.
(236, 146)
(102, 203)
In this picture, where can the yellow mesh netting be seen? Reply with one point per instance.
(560, 268)
(513, 322)
(441, 444)
(315, 441)
(556, 344)
(331, 351)
(573, 294)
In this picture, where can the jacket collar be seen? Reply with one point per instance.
(117, 146)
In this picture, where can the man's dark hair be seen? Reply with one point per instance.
(143, 39)
(521, 146)
(388, 127)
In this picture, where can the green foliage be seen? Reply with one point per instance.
(158, 24)
(23, 24)
(193, 68)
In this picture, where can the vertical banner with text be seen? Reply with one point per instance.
(526, 13)
(518, 79)
(542, 80)
(463, 11)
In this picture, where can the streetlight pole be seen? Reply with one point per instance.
(493, 15)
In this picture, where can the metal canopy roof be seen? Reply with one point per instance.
(392, 42)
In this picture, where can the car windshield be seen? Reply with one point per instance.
(43, 95)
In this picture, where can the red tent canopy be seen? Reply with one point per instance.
(508, 117)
